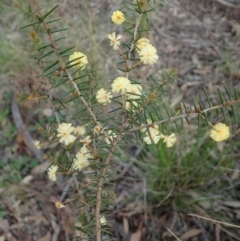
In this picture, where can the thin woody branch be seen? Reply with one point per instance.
(53, 44)
(193, 114)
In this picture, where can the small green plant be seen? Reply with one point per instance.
(189, 175)
(229, 65)
(92, 122)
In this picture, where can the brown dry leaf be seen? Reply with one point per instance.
(163, 219)
(56, 230)
(67, 218)
(232, 204)
(40, 168)
(121, 197)
(4, 225)
(237, 213)
(47, 112)
(235, 174)
(79, 233)
(47, 237)
(191, 233)
(133, 208)
(125, 225)
(11, 237)
(136, 236)
(42, 218)
(218, 232)
(27, 180)
(202, 202)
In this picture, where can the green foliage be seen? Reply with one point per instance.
(230, 66)
(192, 174)
(16, 170)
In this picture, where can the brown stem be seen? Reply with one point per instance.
(183, 116)
(101, 179)
(114, 144)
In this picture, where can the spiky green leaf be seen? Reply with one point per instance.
(46, 54)
(49, 12)
(30, 24)
(50, 66)
(53, 20)
(58, 30)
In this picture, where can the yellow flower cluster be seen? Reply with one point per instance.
(112, 135)
(169, 140)
(64, 133)
(79, 60)
(103, 220)
(220, 132)
(36, 144)
(118, 17)
(82, 159)
(59, 205)
(114, 40)
(146, 51)
(103, 97)
(153, 135)
(141, 43)
(121, 85)
(86, 140)
(52, 173)
(80, 130)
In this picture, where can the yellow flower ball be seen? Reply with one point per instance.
(148, 54)
(118, 17)
(81, 59)
(220, 132)
(141, 43)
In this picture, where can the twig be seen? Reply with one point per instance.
(183, 116)
(18, 122)
(223, 2)
(214, 220)
(134, 39)
(101, 180)
(168, 195)
(88, 107)
(230, 234)
(173, 234)
(145, 200)
(118, 138)
(53, 107)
